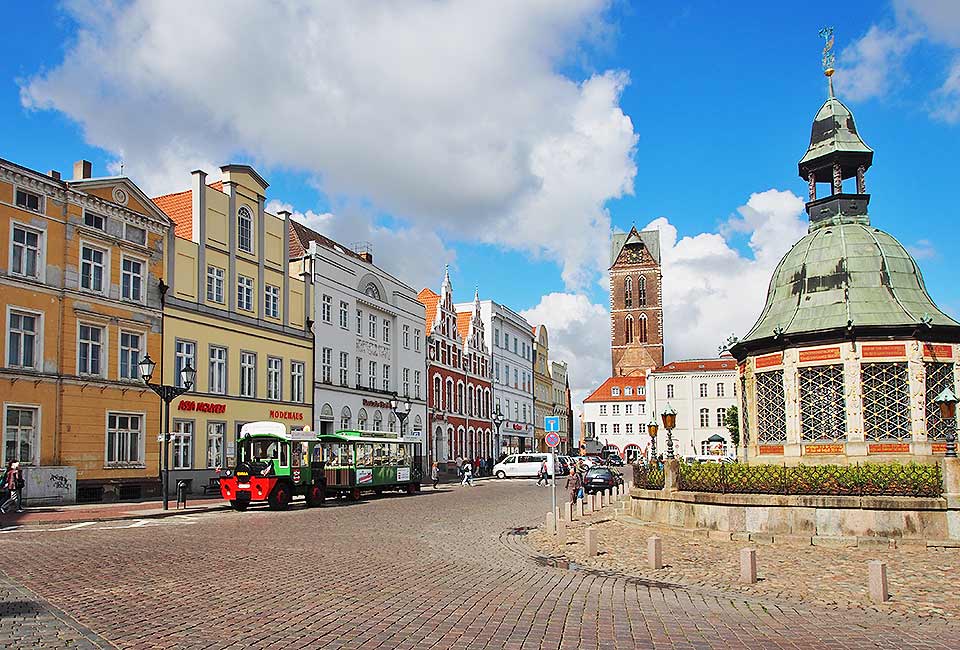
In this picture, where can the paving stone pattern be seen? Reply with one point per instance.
(451, 569)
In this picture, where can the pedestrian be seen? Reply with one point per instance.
(467, 474)
(542, 474)
(574, 483)
(489, 465)
(459, 466)
(13, 482)
(476, 466)
(435, 475)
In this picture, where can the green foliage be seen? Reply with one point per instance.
(732, 423)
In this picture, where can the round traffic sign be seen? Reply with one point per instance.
(552, 439)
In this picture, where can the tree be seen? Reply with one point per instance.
(732, 422)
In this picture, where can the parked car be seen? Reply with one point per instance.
(523, 465)
(613, 460)
(598, 479)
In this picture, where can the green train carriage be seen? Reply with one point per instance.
(356, 462)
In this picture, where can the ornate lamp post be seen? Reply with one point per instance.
(652, 429)
(669, 417)
(167, 394)
(947, 402)
(402, 409)
(498, 422)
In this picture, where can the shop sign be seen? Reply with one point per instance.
(364, 476)
(286, 415)
(201, 407)
(403, 473)
(938, 351)
(939, 448)
(772, 450)
(769, 360)
(376, 403)
(809, 450)
(874, 351)
(889, 448)
(821, 354)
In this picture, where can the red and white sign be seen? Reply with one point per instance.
(201, 407)
(882, 351)
(286, 415)
(552, 439)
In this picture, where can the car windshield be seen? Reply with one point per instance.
(598, 471)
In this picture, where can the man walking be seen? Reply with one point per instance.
(435, 475)
(542, 474)
(467, 474)
(574, 483)
(13, 483)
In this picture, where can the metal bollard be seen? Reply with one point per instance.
(590, 541)
(181, 494)
(748, 566)
(879, 592)
(654, 553)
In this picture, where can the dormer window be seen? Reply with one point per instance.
(628, 390)
(245, 230)
(615, 391)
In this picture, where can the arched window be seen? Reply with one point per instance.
(372, 291)
(641, 290)
(418, 425)
(628, 329)
(362, 420)
(643, 328)
(460, 405)
(437, 393)
(704, 418)
(377, 420)
(244, 230)
(628, 292)
(450, 402)
(346, 418)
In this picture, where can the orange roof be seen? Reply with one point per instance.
(179, 207)
(463, 323)
(605, 392)
(698, 365)
(430, 300)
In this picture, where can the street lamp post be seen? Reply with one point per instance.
(167, 394)
(947, 402)
(669, 417)
(652, 428)
(498, 422)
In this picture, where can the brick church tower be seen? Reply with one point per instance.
(636, 311)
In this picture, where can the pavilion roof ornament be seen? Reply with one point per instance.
(828, 58)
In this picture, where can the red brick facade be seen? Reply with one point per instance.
(636, 309)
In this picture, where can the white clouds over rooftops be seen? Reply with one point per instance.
(450, 115)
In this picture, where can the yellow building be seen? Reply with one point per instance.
(542, 384)
(236, 310)
(79, 274)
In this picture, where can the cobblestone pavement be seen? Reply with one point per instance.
(451, 569)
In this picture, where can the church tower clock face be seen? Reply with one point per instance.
(636, 311)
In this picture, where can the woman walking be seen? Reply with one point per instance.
(435, 475)
(574, 483)
(13, 482)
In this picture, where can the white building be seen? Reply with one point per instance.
(615, 417)
(369, 337)
(510, 338)
(700, 391)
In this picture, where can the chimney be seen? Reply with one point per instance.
(54, 174)
(367, 257)
(82, 169)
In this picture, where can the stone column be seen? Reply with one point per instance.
(791, 395)
(853, 397)
(916, 381)
(671, 475)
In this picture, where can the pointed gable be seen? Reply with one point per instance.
(635, 247)
(430, 300)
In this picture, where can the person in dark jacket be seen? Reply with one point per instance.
(574, 483)
(13, 483)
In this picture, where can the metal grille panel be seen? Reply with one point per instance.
(745, 432)
(823, 413)
(771, 413)
(939, 376)
(886, 401)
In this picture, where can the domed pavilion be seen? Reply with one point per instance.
(849, 353)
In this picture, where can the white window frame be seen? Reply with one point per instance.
(140, 352)
(251, 385)
(177, 443)
(217, 462)
(298, 371)
(344, 369)
(104, 347)
(326, 365)
(406, 382)
(41, 204)
(216, 275)
(37, 425)
(250, 248)
(192, 359)
(416, 384)
(386, 330)
(37, 343)
(344, 314)
(274, 379)
(721, 389)
(326, 309)
(406, 336)
(416, 340)
(245, 287)
(41, 250)
(105, 289)
(143, 278)
(95, 215)
(141, 451)
(372, 326)
(386, 377)
(271, 301)
(704, 390)
(372, 374)
(218, 387)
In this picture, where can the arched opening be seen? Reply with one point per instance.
(641, 291)
(643, 328)
(628, 292)
(346, 418)
(628, 329)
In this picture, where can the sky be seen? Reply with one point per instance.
(509, 138)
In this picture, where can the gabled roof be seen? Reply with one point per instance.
(301, 236)
(649, 238)
(605, 392)
(698, 365)
(463, 324)
(87, 184)
(429, 299)
(179, 207)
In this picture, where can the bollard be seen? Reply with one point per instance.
(606, 497)
(583, 508)
(590, 541)
(587, 505)
(654, 553)
(559, 513)
(550, 524)
(878, 581)
(595, 502)
(562, 533)
(748, 566)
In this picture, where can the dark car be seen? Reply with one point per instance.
(614, 460)
(598, 479)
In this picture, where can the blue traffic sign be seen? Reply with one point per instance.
(551, 423)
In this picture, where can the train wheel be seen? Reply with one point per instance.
(355, 494)
(279, 499)
(314, 496)
(240, 504)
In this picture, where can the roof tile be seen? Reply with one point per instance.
(605, 392)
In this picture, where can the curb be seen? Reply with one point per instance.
(120, 517)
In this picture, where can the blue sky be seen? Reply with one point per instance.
(719, 96)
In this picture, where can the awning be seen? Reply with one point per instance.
(716, 438)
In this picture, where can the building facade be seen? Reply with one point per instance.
(508, 337)
(543, 399)
(80, 270)
(236, 308)
(615, 418)
(700, 391)
(636, 306)
(560, 403)
(369, 330)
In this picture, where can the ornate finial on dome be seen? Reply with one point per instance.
(828, 58)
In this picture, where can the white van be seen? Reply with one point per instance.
(522, 465)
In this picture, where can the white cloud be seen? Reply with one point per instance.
(923, 249)
(947, 98)
(871, 65)
(449, 115)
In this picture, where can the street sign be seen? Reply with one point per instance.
(551, 423)
(552, 439)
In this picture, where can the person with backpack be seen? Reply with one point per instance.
(13, 483)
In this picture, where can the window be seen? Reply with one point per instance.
(496, 369)
(603, 409)
(704, 417)
(131, 280)
(416, 384)
(719, 389)
(515, 345)
(29, 200)
(615, 391)
(215, 284)
(406, 382)
(25, 260)
(134, 234)
(386, 377)
(886, 401)
(248, 374)
(124, 439)
(244, 293)
(603, 429)
(628, 329)
(506, 340)
(641, 290)
(23, 340)
(345, 418)
(703, 390)
(184, 355)
(182, 444)
(721, 414)
(91, 268)
(325, 308)
(416, 340)
(628, 292)
(669, 391)
(297, 372)
(616, 429)
(627, 390)
(628, 409)
(271, 301)
(386, 331)
(215, 432)
(20, 441)
(437, 392)
(515, 383)
(616, 409)
(372, 326)
(218, 370)
(325, 366)
(372, 375)
(344, 314)
(274, 372)
(344, 360)
(628, 429)
(90, 350)
(359, 372)
(643, 328)
(245, 230)
(94, 220)
(131, 347)
(496, 338)
(771, 407)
